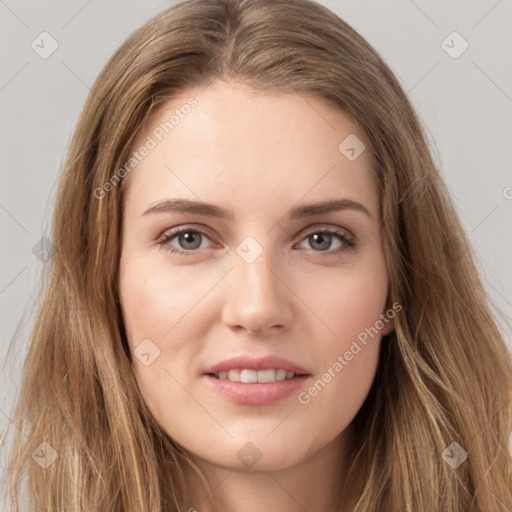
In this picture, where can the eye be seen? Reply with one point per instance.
(188, 240)
(322, 240)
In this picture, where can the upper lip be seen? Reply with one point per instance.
(261, 363)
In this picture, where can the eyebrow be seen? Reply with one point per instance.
(297, 212)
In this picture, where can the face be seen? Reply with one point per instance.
(271, 277)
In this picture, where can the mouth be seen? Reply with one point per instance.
(256, 381)
(248, 376)
(256, 388)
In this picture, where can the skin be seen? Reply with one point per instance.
(257, 154)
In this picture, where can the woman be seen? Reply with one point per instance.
(261, 296)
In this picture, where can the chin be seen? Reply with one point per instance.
(267, 462)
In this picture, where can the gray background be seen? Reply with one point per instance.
(464, 102)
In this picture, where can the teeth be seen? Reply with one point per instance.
(266, 375)
(248, 376)
(281, 374)
(253, 376)
(234, 375)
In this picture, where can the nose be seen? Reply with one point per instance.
(257, 296)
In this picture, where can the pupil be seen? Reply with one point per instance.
(188, 241)
(323, 239)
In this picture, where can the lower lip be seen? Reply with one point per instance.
(256, 393)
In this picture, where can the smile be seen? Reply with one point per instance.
(254, 376)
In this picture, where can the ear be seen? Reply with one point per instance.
(388, 316)
(389, 326)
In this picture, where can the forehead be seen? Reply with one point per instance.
(232, 142)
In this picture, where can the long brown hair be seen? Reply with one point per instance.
(444, 374)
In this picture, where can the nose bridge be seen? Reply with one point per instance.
(259, 275)
(256, 298)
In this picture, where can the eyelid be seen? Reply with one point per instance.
(330, 228)
(306, 231)
(172, 232)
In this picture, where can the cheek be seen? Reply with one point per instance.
(154, 300)
(356, 306)
(348, 302)
(349, 358)
(350, 307)
(142, 303)
(154, 304)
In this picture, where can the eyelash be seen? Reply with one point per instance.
(348, 244)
